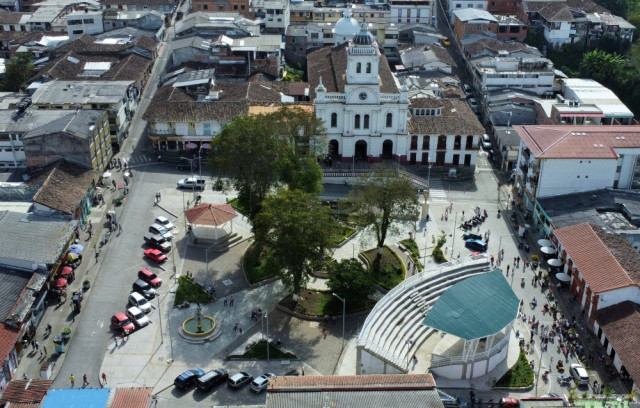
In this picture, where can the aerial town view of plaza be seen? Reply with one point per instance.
(283, 203)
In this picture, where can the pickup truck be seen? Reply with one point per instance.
(192, 182)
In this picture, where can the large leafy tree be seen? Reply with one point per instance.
(260, 152)
(383, 200)
(297, 232)
(602, 67)
(349, 280)
(19, 68)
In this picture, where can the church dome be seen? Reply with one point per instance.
(347, 26)
(363, 37)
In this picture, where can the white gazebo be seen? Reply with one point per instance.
(211, 221)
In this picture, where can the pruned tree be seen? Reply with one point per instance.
(383, 200)
(349, 280)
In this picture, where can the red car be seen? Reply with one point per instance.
(120, 322)
(155, 255)
(149, 277)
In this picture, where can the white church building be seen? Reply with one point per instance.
(363, 107)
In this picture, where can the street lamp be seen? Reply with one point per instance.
(453, 241)
(266, 316)
(353, 250)
(344, 304)
(429, 176)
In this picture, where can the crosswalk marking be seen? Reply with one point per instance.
(436, 191)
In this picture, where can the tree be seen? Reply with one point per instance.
(297, 232)
(19, 69)
(259, 152)
(349, 280)
(383, 200)
(602, 67)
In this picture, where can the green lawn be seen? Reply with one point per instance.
(520, 375)
(316, 303)
(259, 352)
(392, 270)
(190, 291)
(414, 252)
(254, 265)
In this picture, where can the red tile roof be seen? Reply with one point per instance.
(8, 338)
(134, 397)
(25, 391)
(578, 142)
(353, 382)
(592, 258)
(620, 323)
(211, 214)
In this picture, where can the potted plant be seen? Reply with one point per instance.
(86, 284)
(218, 184)
(66, 334)
(535, 259)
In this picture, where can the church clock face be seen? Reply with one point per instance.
(363, 96)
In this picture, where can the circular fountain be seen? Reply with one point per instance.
(199, 327)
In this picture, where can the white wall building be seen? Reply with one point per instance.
(84, 22)
(532, 74)
(276, 14)
(356, 96)
(412, 11)
(454, 5)
(564, 159)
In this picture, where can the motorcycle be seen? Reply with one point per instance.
(545, 376)
(183, 305)
(564, 380)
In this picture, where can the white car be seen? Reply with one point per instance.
(261, 383)
(486, 142)
(579, 374)
(139, 301)
(138, 317)
(164, 221)
(474, 104)
(161, 230)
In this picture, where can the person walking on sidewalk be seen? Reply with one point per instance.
(72, 379)
(85, 381)
(104, 379)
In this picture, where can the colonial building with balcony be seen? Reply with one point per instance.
(564, 159)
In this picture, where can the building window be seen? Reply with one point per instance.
(334, 120)
(414, 143)
(356, 123)
(389, 120)
(368, 67)
(457, 143)
(366, 122)
(425, 142)
(358, 68)
(205, 6)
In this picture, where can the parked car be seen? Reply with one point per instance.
(486, 142)
(579, 374)
(470, 235)
(192, 183)
(187, 164)
(185, 380)
(261, 383)
(149, 277)
(445, 41)
(120, 322)
(157, 242)
(212, 378)
(144, 289)
(137, 316)
(139, 301)
(160, 230)
(476, 244)
(164, 221)
(239, 379)
(474, 104)
(155, 255)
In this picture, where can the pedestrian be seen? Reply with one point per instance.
(415, 360)
(187, 203)
(36, 345)
(119, 163)
(515, 260)
(159, 196)
(508, 266)
(44, 348)
(119, 227)
(155, 199)
(85, 382)
(231, 301)
(89, 232)
(113, 182)
(303, 371)
(97, 255)
(235, 328)
(115, 338)
(325, 332)
(72, 379)
(240, 329)
(104, 378)
(47, 330)
(225, 301)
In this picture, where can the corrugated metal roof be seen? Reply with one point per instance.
(354, 399)
(134, 397)
(476, 307)
(25, 391)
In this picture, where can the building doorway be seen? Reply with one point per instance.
(334, 148)
(361, 150)
(387, 150)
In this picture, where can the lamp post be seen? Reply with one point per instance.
(429, 175)
(344, 304)
(453, 241)
(353, 250)
(539, 371)
(266, 316)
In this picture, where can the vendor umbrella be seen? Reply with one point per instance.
(76, 248)
(121, 186)
(106, 174)
(71, 257)
(65, 272)
(548, 250)
(563, 277)
(554, 262)
(545, 242)
(191, 145)
(59, 283)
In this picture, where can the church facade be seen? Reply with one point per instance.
(363, 107)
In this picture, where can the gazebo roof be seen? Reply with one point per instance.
(476, 307)
(210, 214)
